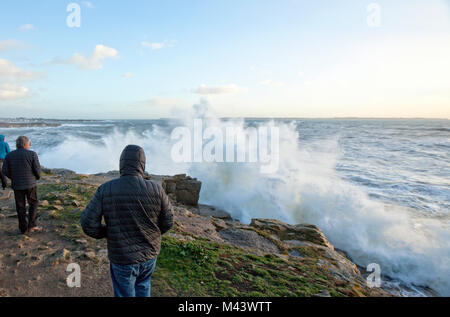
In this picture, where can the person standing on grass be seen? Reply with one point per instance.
(137, 212)
(4, 150)
(23, 168)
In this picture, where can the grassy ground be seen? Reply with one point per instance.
(193, 266)
(65, 195)
(202, 268)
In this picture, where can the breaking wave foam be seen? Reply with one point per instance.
(409, 246)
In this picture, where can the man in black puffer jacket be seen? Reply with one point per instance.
(23, 168)
(136, 212)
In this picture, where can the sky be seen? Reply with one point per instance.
(143, 59)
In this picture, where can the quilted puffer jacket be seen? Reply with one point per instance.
(136, 212)
(22, 167)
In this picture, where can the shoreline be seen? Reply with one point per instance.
(9, 125)
(265, 258)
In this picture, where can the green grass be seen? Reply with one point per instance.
(203, 268)
(79, 192)
(70, 215)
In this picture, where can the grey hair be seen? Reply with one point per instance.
(21, 142)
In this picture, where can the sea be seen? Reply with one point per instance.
(378, 188)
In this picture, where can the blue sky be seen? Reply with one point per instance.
(284, 58)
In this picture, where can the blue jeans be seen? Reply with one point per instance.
(132, 280)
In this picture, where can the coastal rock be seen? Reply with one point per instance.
(185, 189)
(180, 237)
(200, 227)
(57, 171)
(205, 210)
(58, 207)
(90, 255)
(219, 224)
(308, 241)
(61, 256)
(50, 196)
(62, 172)
(248, 239)
(6, 195)
(112, 174)
(50, 214)
(324, 293)
(44, 203)
(293, 234)
(83, 242)
(292, 260)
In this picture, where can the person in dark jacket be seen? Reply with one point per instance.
(23, 168)
(4, 150)
(136, 213)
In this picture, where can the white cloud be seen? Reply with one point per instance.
(9, 45)
(11, 76)
(273, 83)
(152, 46)
(127, 75)
(55, 61)
(218, 90)
(10, 71)
(10, 91)
(100, 53)
(88, 4)
(162, 102)
(27, 27)
(260, 71)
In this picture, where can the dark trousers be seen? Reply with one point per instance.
(3, 177)
(21, 197)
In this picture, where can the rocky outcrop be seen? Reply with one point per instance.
(183, 189)
(249, 239)
(275, 258)
(57, 171)
(305, 240)
(206, 210)
(297, 235)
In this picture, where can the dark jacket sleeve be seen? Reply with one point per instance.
(5, 168)
(36, 166)
(166, 216)
(91, 218)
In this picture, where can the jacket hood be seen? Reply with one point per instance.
(2, 138)
(132, 161)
